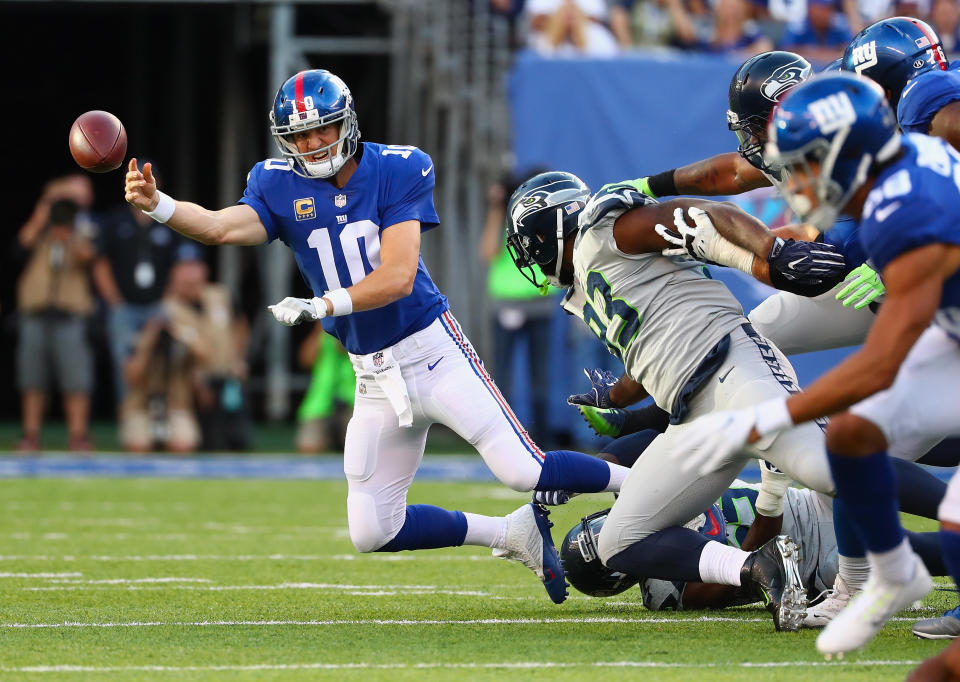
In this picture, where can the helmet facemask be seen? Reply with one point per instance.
(337, 152)
(750, 132)
(525, 255)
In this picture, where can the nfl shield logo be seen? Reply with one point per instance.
(340, 200)
(378, 359)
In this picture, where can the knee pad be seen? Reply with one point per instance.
(370, 528)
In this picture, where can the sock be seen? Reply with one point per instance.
(648, 417)
(627, 449)
(849, 543)
(854, 571)
(894, 565)
(669, 554)
(428, 527)
(485, 531)
(929, 548)
(867, 488)
(918, 491)
(577, 472)
(720, 564)
(950, 544)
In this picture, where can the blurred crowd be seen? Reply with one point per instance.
(817, 29)
(176, 343)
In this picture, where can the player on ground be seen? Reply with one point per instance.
(807, 516)
(353, 214)
(837, 137)
(682, 337)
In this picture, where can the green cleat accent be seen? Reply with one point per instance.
(604, 422)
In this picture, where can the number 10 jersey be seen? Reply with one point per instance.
(335, 234)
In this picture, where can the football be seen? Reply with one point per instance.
(98, 141)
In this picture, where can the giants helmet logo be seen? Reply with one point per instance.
(784, 78)
(864, 56)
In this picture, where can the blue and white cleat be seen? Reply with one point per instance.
(529, 542)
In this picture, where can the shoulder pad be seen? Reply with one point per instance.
(620, 198)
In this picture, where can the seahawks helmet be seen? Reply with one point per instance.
(893, 51)
(842, 122)
(757, 86)
(541, 213)
(582, 564)
(312, 99)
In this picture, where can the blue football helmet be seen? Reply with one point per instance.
(893, 51)
(841, 122)
(834, 66)
(541, 213)
(311, 99)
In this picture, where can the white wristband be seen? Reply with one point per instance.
(772, 416)
(165, 208)
(340, 301)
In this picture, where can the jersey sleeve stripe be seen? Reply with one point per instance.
(452, 328)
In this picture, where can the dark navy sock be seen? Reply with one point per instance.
(627, 449)
(950, 544)
(669, 554)
(867, 488)
(428, 527)
(927, 546)
(944, 454)
(918, 491)
(643, 418)
(573, 471)
(849, 543)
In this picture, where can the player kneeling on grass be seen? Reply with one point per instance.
(807, 517)
(353, 214)
(683, 338)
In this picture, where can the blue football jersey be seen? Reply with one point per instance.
(335, 234)
(924, 96)
(915, 201)
(845, 236)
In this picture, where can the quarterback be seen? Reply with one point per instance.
(353, 214)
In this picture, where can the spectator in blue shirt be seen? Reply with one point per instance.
(822, 36)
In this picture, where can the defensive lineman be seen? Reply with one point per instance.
(682, 337)
(353, 213)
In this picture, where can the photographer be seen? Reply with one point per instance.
(54, 300)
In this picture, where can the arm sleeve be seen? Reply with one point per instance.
(410, 191)
(919, 224)
(254, 198)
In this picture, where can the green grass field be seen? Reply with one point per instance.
(117, 579)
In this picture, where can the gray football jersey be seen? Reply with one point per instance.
(659, 315)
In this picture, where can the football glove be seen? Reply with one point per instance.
(601, 382)
(702, 242)
(810, 261)
(291, 311)
(864, 286)
(552, 498)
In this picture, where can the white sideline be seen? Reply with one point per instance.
(422, 666)
(381, 622)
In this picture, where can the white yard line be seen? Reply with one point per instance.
(455, 666)
(40, 575)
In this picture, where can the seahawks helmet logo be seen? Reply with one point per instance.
(784, 78)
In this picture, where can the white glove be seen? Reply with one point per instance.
(702, 241)
(773, 486)
(707, 443)
(291, 311)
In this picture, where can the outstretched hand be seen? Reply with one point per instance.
(601, 381)
(141, 187)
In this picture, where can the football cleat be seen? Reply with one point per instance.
(603, 422)
(868, 612)
(529, 542)
(946, 626)
(833, 602)
(772, 575)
